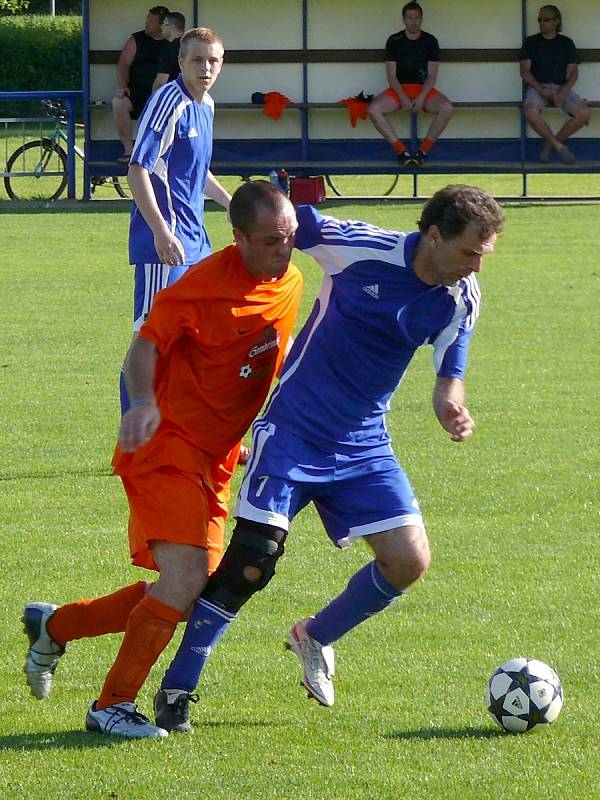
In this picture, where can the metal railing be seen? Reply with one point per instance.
(69, 98)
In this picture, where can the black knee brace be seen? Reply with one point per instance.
(252, 544)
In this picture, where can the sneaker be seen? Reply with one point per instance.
(44, 652)
(566, 155)
(172, 709)
(122, 719)
(317, 662)
(419, 158)
(545, 151)
(404, 159)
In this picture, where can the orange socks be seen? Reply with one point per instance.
(426, 145)
(399, 146)
(149, 630)
(86, 618)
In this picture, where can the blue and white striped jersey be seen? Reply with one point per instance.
(371, 315)
(174, 143)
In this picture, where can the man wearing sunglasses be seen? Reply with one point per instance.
(549, 68)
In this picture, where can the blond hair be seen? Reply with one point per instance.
(201, 35)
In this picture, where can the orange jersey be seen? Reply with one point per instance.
(221, 337)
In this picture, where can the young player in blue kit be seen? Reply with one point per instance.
(323, 436)
(169, 175)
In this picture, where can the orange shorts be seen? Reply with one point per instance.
(169, 504)
(411, 90)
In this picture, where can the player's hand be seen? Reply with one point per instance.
(559, 98)
(548, 94)
(418, 103)
(138, 426)
(456, 420)
(169, 248)
(123, 92)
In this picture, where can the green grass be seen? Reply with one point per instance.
(510, 516)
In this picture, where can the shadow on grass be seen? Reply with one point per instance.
(64, 740)
(99, 472)
(64, 207)
(239, 723)
(445, 733)
(81, 740)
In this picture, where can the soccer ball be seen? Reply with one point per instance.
(522, 694)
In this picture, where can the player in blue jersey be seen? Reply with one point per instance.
(169, 175)
(323, 436)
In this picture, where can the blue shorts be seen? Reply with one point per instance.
(150, 279)
(357, 495)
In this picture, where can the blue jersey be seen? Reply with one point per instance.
(371, 315)
(174, 143)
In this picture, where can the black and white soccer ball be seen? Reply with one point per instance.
(524, 693)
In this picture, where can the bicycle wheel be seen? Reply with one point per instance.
(38, 171)
(121, 188)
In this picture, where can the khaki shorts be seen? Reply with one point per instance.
(534, 98)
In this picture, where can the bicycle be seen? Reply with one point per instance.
(46, 158)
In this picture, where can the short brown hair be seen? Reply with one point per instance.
(202, 35)
(411, 7)
(453, 208)
(249, 198)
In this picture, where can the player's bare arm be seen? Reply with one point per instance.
(168, 247)
(527, 77)
(123, 65)
(432, 74)
(390, 70)
(572, 77)
(448, 404)
(141, 421)
(215, 191)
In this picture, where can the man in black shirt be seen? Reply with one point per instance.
(411, 63)
(172, 28)
(549, 68)
(136, 70)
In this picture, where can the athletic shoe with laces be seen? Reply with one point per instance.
(172, 709)
(318, 663)
(405, 159)
(44, 652)
(419, 158)
(122, 719)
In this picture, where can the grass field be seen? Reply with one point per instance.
(510, 516)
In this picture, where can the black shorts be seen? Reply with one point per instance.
(138, 96)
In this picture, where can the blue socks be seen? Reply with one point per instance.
(205, 626)
(366, 594)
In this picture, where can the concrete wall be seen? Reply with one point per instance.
(348, 24)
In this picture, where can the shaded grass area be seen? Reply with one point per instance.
(511, 517)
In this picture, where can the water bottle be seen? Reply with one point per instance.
(274, 178)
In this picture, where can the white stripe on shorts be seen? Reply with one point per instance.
(156, 278)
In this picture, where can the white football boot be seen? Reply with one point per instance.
(122, 719)
(44, 652)
(318, 663)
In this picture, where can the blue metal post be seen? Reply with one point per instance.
(523, 121)
(70, 106)
(85, 71)
(304, 111)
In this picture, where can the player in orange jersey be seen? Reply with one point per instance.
(197, 376)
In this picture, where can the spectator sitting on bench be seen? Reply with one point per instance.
(172, 28)
(136, 70)
(549, 68)
(412, 62)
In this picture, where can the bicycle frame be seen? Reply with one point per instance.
(69, 98)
